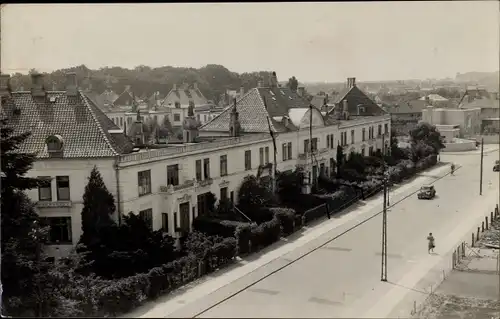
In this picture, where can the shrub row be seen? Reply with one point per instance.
(216, 227)
(286, 217)
(112, 297)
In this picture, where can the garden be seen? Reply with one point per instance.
(118, 267)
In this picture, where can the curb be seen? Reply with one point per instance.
(290, 262)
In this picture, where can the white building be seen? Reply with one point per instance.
(180, 98)
(166, 184)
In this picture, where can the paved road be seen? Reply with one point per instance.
(342, 278)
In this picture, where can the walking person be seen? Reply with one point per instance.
(327, 211)
(431, 245)
(452, 169)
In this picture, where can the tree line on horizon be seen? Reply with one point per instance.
(213, 80)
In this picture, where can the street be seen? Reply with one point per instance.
(342, 278)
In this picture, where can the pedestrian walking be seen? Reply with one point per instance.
(327, 211)
(431, 245)
(452, 169)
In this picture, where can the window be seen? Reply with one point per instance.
(202, 203)
(328, 141)
(121, 121)
(198, 170)
(45, 190)
(379, 130)
(231, 196)
(129, 120)
(223, 193)
(184, 215)
(147, 217)
(173, 175)
(248, 160)
(363, 134)
(289, 150)
(164, 222)
(261, 156)
(306, 146)
(62, 183)
(177, 117)
(60, 229)
(144, 182)
(363, 151)
(352, 136)
(267, 155)
(223, 165)
(332, 145)
(314, 144)
(284, 150)
(386, 128)
(206, 168)
(370, 151)
(175, 221)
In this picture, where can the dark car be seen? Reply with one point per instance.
(426, 192)
(496, 167)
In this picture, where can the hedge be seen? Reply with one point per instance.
(216, 227)
(265, 234)
(286, 217)
(243, 235)
(114, 297)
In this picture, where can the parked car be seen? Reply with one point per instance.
(426, 192)
(496, 167)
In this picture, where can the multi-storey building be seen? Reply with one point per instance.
(354, 122)
(167, 184)
(180, 98)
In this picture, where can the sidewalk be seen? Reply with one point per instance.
(488, 148)
(256, 266)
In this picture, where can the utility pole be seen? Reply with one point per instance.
(383, 276)
(481, 168)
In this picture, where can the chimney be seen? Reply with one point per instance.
(71, 84)
(351, 82)
(174, 87)
(37, 86)
(274, 80)
(285, 121)
(5, 88)
(259, 84)
(345, 109)
(242, 92)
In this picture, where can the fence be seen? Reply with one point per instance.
(460, 253)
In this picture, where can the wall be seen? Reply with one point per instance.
(488, 139)
(459, 145)
(78, 172)
(468, 119)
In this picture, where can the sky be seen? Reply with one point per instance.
(315, 42)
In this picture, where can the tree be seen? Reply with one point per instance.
(25, 272)
(289, 185)
(253, 194)
(397, 153)
(429, 135)
(339, 160)
(98, 208)
(293, 84)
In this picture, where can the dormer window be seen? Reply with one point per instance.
(54, 144)
(177, 105)
(272, 93)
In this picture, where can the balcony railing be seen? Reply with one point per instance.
(175, 150)
(56, 204)
(205, 182)
(173, 188)
(317, 152)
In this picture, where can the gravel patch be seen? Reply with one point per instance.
(438, 306)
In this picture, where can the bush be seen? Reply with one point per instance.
(265, 234)
(222, 253)
(120, 296)
(260, 215)
(371, 187)
(243, 235)
(286, 217)
(215, 227)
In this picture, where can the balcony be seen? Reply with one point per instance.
(170, 189)
(205, 182)
(56, 204)
(317, 152)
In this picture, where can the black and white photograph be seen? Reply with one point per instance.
(250, 159)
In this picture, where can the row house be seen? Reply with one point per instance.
(354, 122)
(164, 184)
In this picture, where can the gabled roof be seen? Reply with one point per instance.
(481, 103)
(355, 97)
(183, 95)
(434, 97)
(125, 99)
(407, 107)
(253, 113)
(86, 131)
(106, 98)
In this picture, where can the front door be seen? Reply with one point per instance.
(184, 215)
